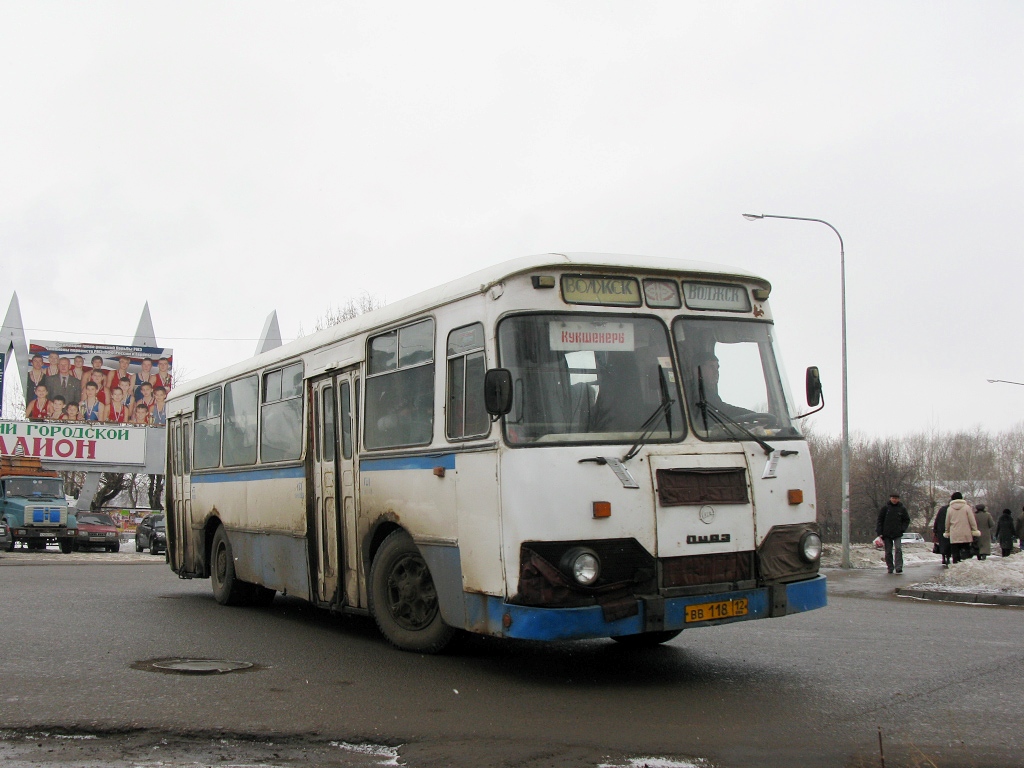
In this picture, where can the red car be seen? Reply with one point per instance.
(97, 530)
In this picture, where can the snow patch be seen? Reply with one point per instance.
(996, 575)
(657, 762)
(372, 750)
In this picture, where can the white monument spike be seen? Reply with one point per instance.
(271, 336)
(12, 336)
(145, 336)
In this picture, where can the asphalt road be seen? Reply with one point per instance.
(941, 682)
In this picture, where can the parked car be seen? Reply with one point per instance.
(151, 534)
(97, 530)
(906, 538)
(6, 540)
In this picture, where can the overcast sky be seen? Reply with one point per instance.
(223, 160)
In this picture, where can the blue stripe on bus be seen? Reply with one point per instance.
(446, 460)
(284, 473)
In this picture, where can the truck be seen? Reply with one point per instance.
(33, 506)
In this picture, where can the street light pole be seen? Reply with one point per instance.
(846, 411)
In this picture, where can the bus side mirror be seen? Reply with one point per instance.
(813, 385)
(498, 391)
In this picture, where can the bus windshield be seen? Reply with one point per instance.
(731, 379)
(589, 379)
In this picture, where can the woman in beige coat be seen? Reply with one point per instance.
(985, 526)
(961, 527)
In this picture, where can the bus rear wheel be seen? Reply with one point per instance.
(228, 589)
(403, 599)
(646, 639)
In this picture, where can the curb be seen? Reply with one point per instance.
(961, 597)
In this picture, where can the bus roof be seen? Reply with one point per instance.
(472, 284)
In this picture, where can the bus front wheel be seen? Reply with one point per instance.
(403, 599)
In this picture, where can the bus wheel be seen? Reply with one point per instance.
(227, 588)
(403, 599)
(647, 639)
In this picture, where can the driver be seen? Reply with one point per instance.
(706, 377)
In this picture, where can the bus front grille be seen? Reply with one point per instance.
(701, 570)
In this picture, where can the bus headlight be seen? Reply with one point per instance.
(582, 564)
(810, 547)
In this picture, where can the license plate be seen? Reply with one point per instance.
(725, 609)
(97, 538)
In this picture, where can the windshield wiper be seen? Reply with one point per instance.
(725, 421)
(647, 428)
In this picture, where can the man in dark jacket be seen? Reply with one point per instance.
(893, 520)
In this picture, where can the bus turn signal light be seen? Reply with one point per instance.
(796, 496)
(602, 509)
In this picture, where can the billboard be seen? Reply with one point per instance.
(82, 442)
(98, 383)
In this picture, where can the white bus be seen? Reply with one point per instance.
(560, 446)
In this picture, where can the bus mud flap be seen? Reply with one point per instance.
(654, 614)
(780, 602)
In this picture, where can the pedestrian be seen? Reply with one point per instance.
(1005, 532)
(893, 521)
(985, 526)
(961, 527)
(939, 534)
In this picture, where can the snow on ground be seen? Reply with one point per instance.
(995, 575)
(866, 556)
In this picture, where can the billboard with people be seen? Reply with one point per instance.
(104, 383)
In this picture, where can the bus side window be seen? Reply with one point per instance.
(186, 449)
(208, 429)
(346, 421)
(466, 416)
(400, 387)
(240, 398)
(176, 449)
(327, 438)
(281, 415)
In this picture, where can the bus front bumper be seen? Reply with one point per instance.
(493, 616)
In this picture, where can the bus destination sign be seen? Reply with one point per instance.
(601, 290)
(720, 296)
(590, 336)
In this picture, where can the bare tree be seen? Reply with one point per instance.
(112, 485)
(881, 467)
(969, 462)
(14, 399)
(348, 309)
(156, 491)
(826, 455)
(73, 482)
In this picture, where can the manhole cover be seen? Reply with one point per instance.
(201, 666)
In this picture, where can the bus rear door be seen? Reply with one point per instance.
(334, 488)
